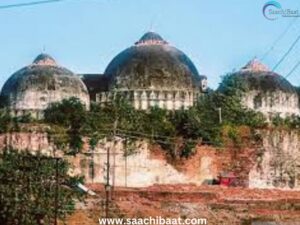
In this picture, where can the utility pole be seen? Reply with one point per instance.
(93, 164)
(114, 155)
(107, 186)
(220, 114)
(126, 153)
(56, 191)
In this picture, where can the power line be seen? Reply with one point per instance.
(293, 70)
(29, 4)
(287, 53)
(278, 39)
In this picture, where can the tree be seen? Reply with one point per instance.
(31, 190)
(229, 97)
(101, 119)
(202, 120)
(70, 113)
(157, 123)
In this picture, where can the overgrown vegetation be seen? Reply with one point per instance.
(176, 131)
(32, 187)
(288, 122)
(71, 114)
(9, 123)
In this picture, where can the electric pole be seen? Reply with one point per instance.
(114, 155)
(108, 187)
(220, 114)
(56, 191)
(126, 165)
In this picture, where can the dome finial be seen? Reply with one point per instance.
(255, 65)
(151, 38)
(44, 59)
(151, 27)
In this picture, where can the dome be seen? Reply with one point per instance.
(260, 77)
(266, 91)
(152, 64)
(43, 82)
(44, 59)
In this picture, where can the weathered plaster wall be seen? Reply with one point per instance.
(278, 162)
(144, 99)
(34, 141)
(40, 100)
(275, 163)
(140, 168)
(272, 103)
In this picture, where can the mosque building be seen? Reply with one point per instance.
(150, 73)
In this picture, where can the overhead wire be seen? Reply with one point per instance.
(287, 53)
(293, 69)
(31, 3)
(278, 39)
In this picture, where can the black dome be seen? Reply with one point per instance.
(259, 77)
(44, 82)
(152, 63)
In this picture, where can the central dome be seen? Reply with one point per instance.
(152, 64)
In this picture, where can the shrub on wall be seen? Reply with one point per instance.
(71, 114)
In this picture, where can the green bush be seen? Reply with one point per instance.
(290, 122)
(71, 114)
(5, 121)
(30, 186)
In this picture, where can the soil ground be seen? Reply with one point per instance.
(219, 205)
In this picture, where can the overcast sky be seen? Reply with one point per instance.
(84, 35)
